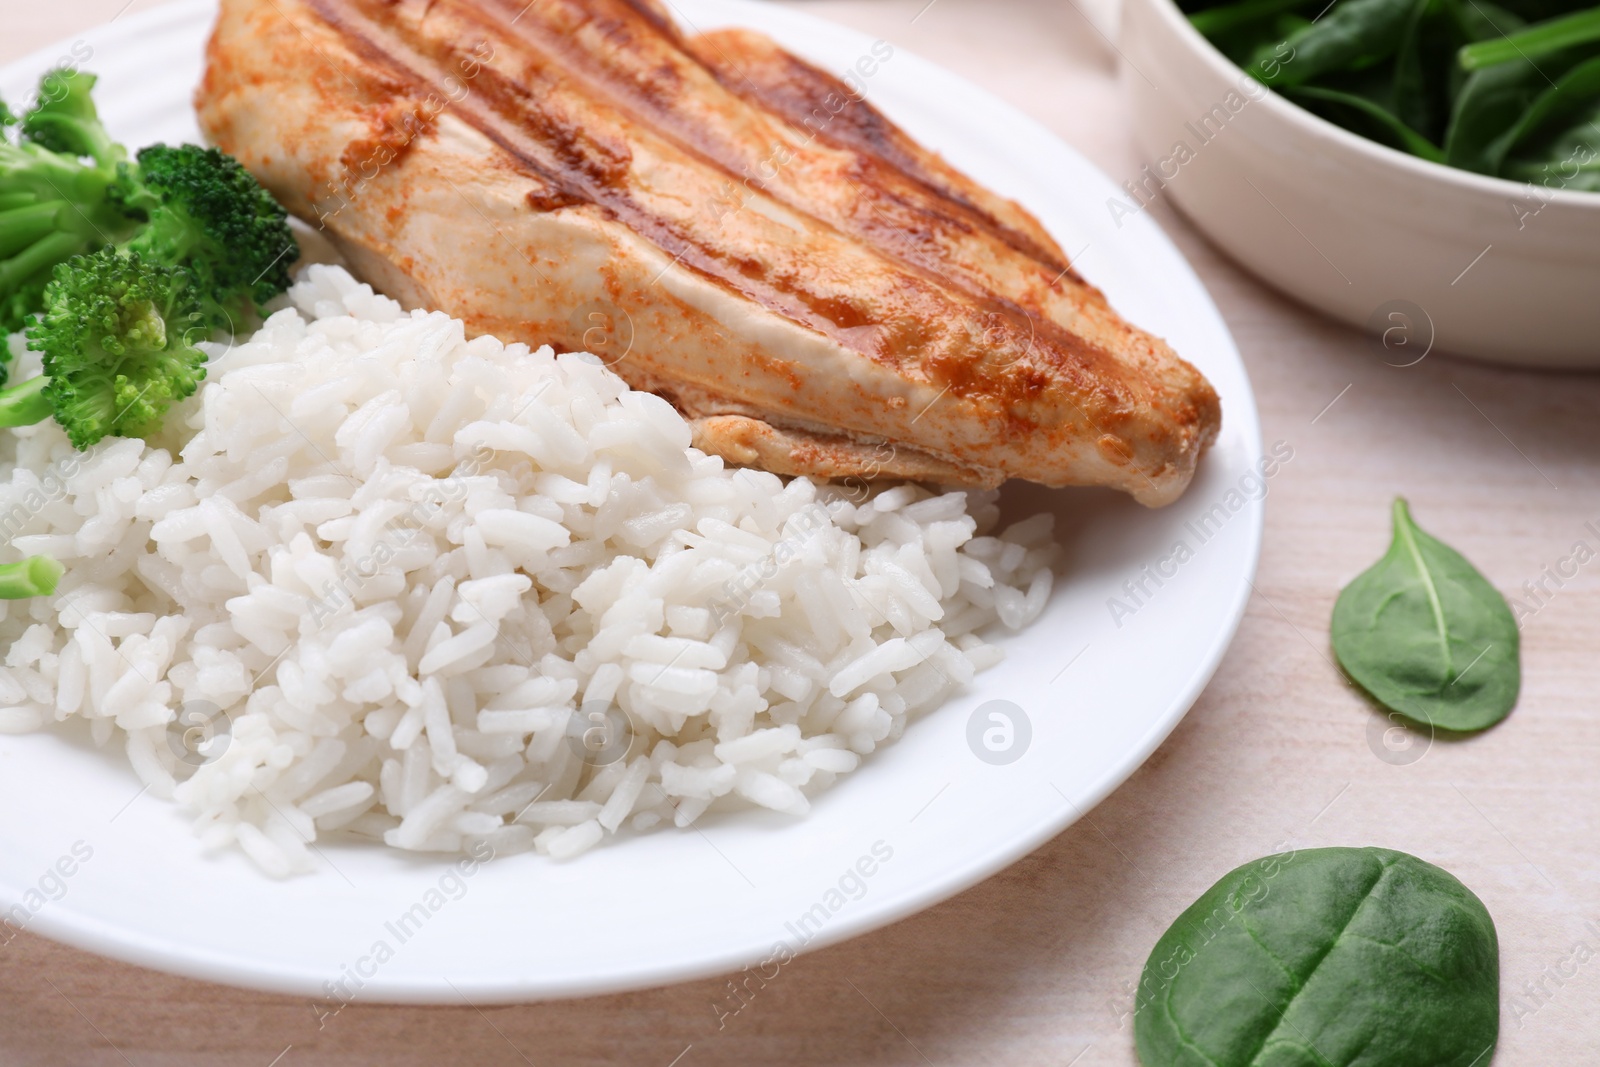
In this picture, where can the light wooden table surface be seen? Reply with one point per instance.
(1036, 965)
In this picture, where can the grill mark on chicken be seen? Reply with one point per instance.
(755, 69)
(944, 339)
(588, 167)
(562, 156)
(927, 229)
(893, 218)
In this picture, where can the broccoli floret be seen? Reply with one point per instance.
(34, 576)
(202, 210)
(66, 189)
(65, 120)
(53, 204)
(117, 337)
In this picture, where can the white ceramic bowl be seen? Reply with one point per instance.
(1420, 254)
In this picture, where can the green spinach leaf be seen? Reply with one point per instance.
(1268, 43)
(1247, 42)
(1325, 958)
(1353, 33)
(1566, 159)
(1413, 91)
(1489, 104)
(1427, 636)
(1469, 21)
(1535, 42)
(1539, 10)
(1556, 108)
(1425, 71)
(1494, 102)
(1371, 119)
(1217, 20)
(1480, 20)
(1482, 85)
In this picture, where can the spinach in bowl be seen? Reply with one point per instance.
(1510, 89)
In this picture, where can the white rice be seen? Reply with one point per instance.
(396, 583)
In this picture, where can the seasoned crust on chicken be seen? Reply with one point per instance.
(806, 289)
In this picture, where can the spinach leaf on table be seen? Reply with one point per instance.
(1427, 636)
(1328, 957)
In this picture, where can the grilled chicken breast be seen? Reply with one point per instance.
(723, 223)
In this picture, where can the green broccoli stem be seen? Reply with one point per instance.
(47, 173)
(42, 253)
(103, 149)
(10, 201)
(21, 226)
(34, 576)
(169, 237)
(25, 404)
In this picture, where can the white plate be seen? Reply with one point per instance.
(1100, 693)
